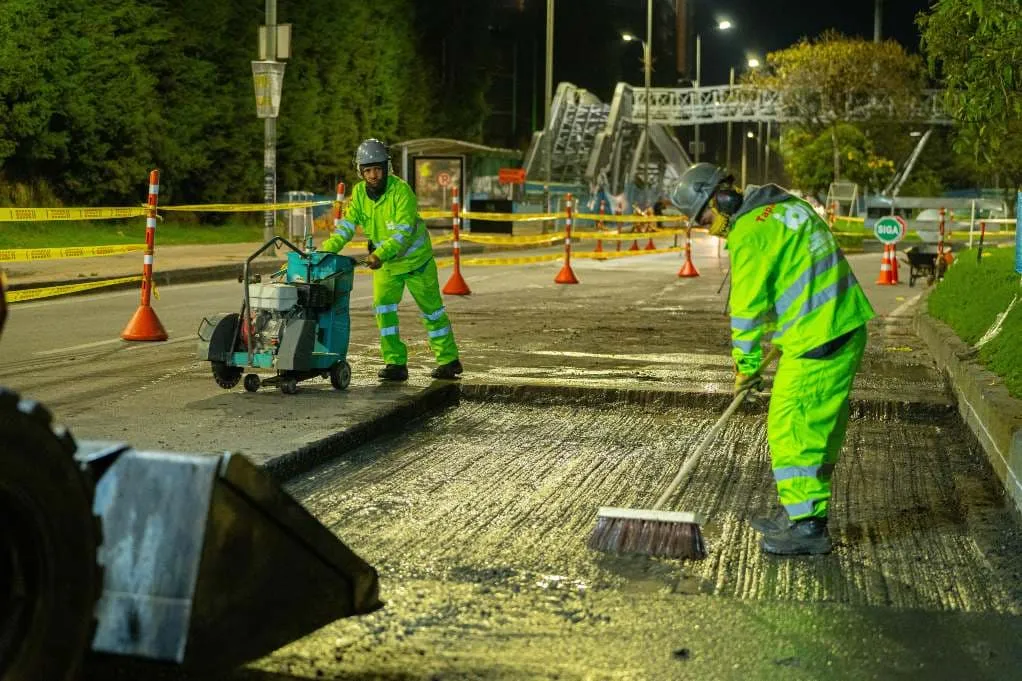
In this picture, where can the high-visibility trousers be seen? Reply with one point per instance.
(422, 283)
(806, 425)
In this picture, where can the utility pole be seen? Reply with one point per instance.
(731, 82)
(649, 69)
(877, 13)
(270, 132)
(549, 91)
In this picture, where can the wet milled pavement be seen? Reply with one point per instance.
(577, 397)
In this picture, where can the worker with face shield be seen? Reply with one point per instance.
(789, 279)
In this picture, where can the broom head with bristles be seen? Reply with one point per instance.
(670, 534)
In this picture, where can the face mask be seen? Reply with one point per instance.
(719, 226)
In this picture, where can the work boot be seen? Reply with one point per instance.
(448, 371)
(771, 524)
(393, 372)
(803, 536)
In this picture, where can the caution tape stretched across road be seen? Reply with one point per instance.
(50, 291)
(55, 214)
(244, 207)
(31, 254)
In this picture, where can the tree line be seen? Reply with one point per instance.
(94, 93)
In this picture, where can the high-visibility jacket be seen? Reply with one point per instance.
(391, 222)
(789, 277)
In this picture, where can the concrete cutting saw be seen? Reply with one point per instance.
(296, 324)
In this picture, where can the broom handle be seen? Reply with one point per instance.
(710, 436)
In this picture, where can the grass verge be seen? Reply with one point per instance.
(109, 232)
(970, 299)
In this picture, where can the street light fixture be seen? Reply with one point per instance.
(753, 63)
(722, 25)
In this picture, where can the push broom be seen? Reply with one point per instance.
(655, 532)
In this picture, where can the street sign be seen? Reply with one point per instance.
(443, 179)
(890, 229)
(511, 175)
(269, 80)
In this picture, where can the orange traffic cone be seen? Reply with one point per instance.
(144, 326)
(634, 246)
(599, 249)
(651, 246)
(894, 264)
(688, 269)
(566, 275)
(885, 268)
(456, 285)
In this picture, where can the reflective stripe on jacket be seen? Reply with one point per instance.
(392, 223)
(789, 278)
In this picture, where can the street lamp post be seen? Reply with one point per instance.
(748, 136)
(722, 25)
(647, 66)
(549, 95)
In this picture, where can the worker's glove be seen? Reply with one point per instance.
(374, 262)
(748, 382)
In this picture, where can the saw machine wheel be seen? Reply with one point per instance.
(49, 577)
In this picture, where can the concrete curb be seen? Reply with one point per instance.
(433, 398)
(538, 394)
(993, 415)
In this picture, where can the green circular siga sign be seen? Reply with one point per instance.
(890, 229)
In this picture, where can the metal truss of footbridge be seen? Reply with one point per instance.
(602, 145)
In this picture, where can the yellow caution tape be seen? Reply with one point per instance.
(435, 214)
(524, 260)
(30, 254)
(596, 217)
(513, 217)
(626, 236)
(594, 255)
(442, 238)
(53, 214)
(245, 207)
(49, 292)
(529, 240)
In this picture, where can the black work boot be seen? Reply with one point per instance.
(769, 524)
(393, 372)
(803, 536)
(448, 371)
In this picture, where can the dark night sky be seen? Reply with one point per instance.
(761, 26)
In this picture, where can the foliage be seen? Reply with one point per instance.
(969, 299)
(826, 84)
(94, 93)
(975, 48)
(817, 79)
(808, 158)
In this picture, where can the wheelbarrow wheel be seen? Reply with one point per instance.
(340, 375)
(226, 376)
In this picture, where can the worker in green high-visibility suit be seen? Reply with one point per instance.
(789, 277)
(401, 255)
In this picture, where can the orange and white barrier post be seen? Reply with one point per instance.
(456, 285)
(650, 228)
(338, 210)
(566, 275)
(599, 228)
(982, 237)
(940, 236)
(144, 324)
(617, 212)
(688, 268)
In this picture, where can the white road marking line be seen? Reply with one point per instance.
(73, 348)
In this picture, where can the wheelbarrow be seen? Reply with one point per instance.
(923, 261)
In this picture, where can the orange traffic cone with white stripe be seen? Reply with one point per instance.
(885, 278)
(894, 264)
